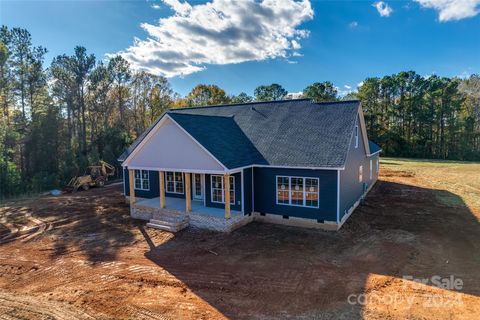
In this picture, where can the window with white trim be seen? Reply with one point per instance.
(217, 190)
(360, 174)
(142, 180)
(298, 191)
(371, 169)
(174, 182)
(356, 136)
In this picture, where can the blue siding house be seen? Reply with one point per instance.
(293, 162)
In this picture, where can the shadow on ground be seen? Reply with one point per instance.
(268, 271)
(94, 222)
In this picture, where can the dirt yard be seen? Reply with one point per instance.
(80, 256)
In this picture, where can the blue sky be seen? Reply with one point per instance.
(341, 41)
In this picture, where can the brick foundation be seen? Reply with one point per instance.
(196, 220)
(219, 223)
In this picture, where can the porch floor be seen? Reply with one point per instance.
(179, 204)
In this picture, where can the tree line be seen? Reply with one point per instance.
(56, 120)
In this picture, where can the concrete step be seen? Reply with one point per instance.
(170, 228)
(167, 222)
(160, 217)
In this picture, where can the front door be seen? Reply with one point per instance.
(198, 189)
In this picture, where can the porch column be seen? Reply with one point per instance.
(226, 196)
(131, 184)
(161, 176)
(188, 193)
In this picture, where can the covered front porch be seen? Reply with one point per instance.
(186, 192)
(170, 178)
(173, 216)
(178, 204)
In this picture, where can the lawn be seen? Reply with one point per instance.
(460, 178)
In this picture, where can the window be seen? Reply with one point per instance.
(142, 180)
(174, 182)
(356, 136)
(298, 191)
(371, 169)
(283, 190)
(360, 174)
(311, 192)
(296, 194)
(217, 189)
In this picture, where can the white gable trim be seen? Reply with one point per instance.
(364, 133)
(177, 170)
(364, 129)
(154, 131)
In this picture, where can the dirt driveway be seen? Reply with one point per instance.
(80, 256)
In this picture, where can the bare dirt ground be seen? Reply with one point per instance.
(80, 256)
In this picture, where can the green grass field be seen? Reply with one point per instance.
(458, 177)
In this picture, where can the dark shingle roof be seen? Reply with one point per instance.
(297, 133)
(222, 137)
(373, 147)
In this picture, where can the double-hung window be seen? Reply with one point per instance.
(174, 182)
(218, 189)
(142, 180)
(298, 191)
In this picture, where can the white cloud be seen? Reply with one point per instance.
(449, 10)
(155, 6)
(383, 9)
(353, 24)
(359, 84)
(220, 32)
(347, 87)
(294, 95)
(295, 45)
(182, 8)
(465, 74)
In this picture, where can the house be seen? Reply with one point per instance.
(292, 162)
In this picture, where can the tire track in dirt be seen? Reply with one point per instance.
(24, 306)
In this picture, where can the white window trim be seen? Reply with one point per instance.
(174, 183)
(232, 199)
(202, 187)
(378, 166)
(360, 174)
(304, 192)
(141, 180)
(371, 169)
(356, 136)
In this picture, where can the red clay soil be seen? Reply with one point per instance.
(81, 256)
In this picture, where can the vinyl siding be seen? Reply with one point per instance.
(247, 190)
(351, 190)
(265, 196)
(238, 193)
(152, 193)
